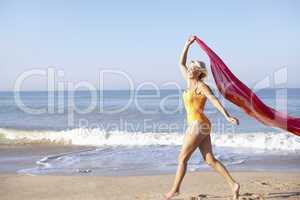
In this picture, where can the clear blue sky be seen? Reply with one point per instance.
(145, 38)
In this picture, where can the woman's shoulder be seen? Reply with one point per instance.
(202, 85)
(205, 88)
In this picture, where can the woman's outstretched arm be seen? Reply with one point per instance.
(183, 56)
(214, 100)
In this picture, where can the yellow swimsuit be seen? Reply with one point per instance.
(194, 105)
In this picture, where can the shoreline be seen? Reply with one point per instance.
(254, 185)
(14, 157)
(20, 159)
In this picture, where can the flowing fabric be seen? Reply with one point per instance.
(239, 94)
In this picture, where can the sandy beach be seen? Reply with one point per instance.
(264, 184)
(109, 100)
(209, 185)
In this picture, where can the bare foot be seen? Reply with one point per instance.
(170, 194)
(235, 191)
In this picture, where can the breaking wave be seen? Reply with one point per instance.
(97, 137)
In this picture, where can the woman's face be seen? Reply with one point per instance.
(193, 71)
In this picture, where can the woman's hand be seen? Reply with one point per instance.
(190, 40)
(233, 120)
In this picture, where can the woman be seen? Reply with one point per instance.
(199, 126)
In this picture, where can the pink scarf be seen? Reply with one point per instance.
(239, 94)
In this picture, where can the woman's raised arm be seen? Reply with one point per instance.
(183, 56)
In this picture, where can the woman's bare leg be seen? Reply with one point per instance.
(191, 141)
(206, 151)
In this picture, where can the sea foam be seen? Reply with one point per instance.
(97, 137)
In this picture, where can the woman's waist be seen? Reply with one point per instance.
(190, 112)
(200, 116)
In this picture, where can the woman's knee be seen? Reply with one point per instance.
(183, 159)
(211, 160)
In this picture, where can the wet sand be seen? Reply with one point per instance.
(266, 184)
(17, 157)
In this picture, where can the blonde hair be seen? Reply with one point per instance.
(202, 68)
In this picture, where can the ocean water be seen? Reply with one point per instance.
(139, 132)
